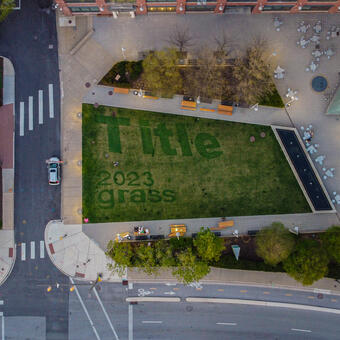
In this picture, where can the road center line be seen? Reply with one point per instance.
(130, 321)
(301, 330)
(152, 321)
(226, 323)
(22, 118)
(41, 115)
(32, 250)
(85, 310)
(105, 313)
(30, 113)
(50, 100)
(23, 251)
(42, 249)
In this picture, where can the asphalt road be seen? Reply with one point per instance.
(28, 38)
(183, 320)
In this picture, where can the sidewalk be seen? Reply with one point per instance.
(75, 254)
(243, 277)
(7, 245)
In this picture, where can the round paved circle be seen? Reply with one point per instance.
(319, 83)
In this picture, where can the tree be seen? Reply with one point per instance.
(190, 268)
(164, 255)
(222, 43)
(145, 258)
(206, 79)
(181, 38)
(331, 242)
(308, 263)
(161, 73)
(252, 75)
(121, 253)
(6, 7)
(208, 246)
(274, 244)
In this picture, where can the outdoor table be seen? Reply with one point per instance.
(315, 39)
(303, 42)
(317, 28)
(337, 198)
(329, 53)
(277, 23)
(320, 159)
(317, 53)
(313, 66)
(329, 173)
(311, 149)
(306, 135)
(279, 73)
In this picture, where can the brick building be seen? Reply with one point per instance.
(140, 7)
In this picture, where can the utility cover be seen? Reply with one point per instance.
(236, 250)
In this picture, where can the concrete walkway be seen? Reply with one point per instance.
(75, 254)
(101, 233)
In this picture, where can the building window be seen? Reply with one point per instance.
(197, 8)
(277, 8)
(255, 1)
(78, 1)
(317, 8)
(148, 1)
(283, 1)
(162, 9)
(84, 9)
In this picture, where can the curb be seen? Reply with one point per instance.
(265, 304)
(12, 263)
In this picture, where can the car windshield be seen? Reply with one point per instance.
(53, 165)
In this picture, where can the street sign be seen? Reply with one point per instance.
(236, 250)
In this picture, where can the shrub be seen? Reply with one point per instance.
(274, 244)
(208, 246)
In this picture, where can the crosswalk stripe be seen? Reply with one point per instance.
(42, 249)
(32, 250)
(23, 251)
(50, 99)
(41, 116)
(22, 118)
(30, 113)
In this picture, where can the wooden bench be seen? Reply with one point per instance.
(225, 110)
(120, 90)
(177, 229)
(150, 97)
(188, 105)
(223, 225)
(207, 110)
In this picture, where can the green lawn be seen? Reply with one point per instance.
(181, 167)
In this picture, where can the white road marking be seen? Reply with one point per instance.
(22, 118)
(169, 293)
(301, 330)
(170, 284)
(41, 107)
(85, 310)
(23, 251)
(30, 113)
(42, 249)
(152, 321)
(1, 302)
(130, 322)
(32, 250)
(2, 326)
(226, 323)
(50, 100)
(105, 313)
(130, 285)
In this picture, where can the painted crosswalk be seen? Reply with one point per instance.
(32, 250)
(35, 109)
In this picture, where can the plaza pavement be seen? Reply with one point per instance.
(102, 48)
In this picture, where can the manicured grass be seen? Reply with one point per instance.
(184, 177)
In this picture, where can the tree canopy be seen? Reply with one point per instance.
(331, 242)
(308, 263)
(121, 254)
(208, 246)
(252, 75)
(274, 243)
(6, 7)
(161, 74)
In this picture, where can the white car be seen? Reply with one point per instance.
(53, 166)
